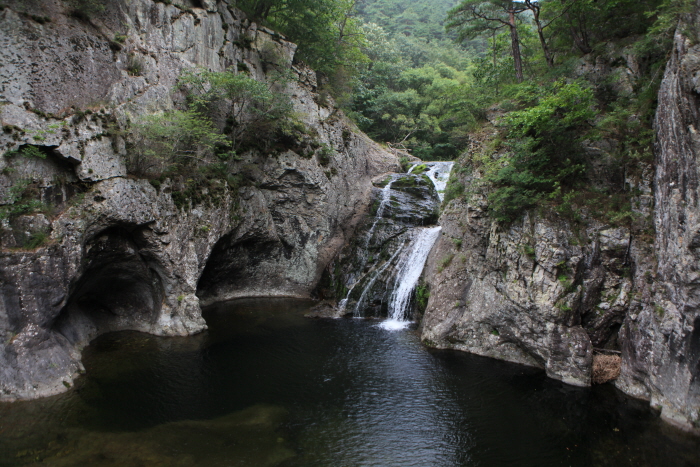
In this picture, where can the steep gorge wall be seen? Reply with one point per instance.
(661, 345)
(120, 253)
(547, 292)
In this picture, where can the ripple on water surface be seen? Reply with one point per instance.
(266, 387)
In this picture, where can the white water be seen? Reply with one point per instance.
(386, 197)
(411, 264)
(358, 306)
(409, 269)
(439, 173)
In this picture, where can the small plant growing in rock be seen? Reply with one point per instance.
(422, 297)
(36, 240)
(22, 198)
(529, 251)
(444, 262)
(134, 65)
(324, 154)
(659, 310)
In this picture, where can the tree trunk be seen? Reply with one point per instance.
(579, 35)
(535, 8)
(515, 44)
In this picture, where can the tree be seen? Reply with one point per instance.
(473, 18)
(251, 108)
(225, 112)
(163, 140)
(327, 33)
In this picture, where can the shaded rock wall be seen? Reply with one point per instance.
(119, 253)
(661, 351)
(540, 293)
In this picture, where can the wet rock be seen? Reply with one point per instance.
(325, 309)
(363, 273)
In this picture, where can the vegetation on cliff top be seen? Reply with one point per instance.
(585, 76)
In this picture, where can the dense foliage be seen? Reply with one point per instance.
(415, 91)
(589, 72)
(326, 31)
(222, 115)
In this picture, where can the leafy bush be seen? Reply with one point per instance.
(252, 109)
(36, 240)
(174, 137)
(545, 149)
(422, 297)
(22, 198)
(134, 65)
(87, 9)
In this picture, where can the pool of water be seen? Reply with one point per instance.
(267, 387)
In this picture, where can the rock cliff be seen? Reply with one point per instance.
(548, 292)
(541, 292)
(110, 251)
(661, 344)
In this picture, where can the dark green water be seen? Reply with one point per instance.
(267, 387)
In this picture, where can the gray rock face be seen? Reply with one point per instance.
(661, 351)
(540, 292)
(534, 294)
(119, 253)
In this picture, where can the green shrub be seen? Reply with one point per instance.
(254, 110)
(453, 190)
(422, 297)
(134, 65)
(545, 150)
(87, 9)
(36, 240)
(22, 198)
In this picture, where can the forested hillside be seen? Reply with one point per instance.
(414, 93)
(423, 75)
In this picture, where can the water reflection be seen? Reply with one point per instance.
(266, 387)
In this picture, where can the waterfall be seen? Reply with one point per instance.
(385, 198)
(358, 307)
(409, 270)
(439, 173)
(394, 281)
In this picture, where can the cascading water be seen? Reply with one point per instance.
(406, 203)
(409, 270)
(386, 197)
(358, 307)
(439, 173)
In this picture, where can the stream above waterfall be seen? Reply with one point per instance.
(267, 387)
